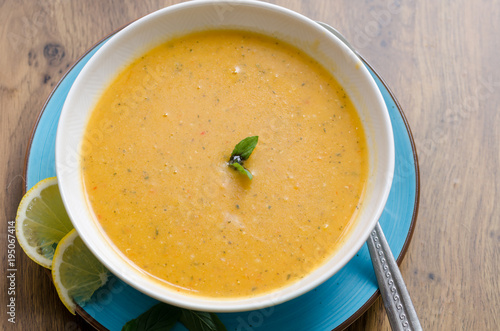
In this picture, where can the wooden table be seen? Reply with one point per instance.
(441, 59)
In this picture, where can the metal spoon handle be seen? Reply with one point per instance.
(397, 302)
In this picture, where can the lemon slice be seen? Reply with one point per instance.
(76, 273)
(42, 221)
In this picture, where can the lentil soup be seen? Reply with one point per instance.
(156, 174)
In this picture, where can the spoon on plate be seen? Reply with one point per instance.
(398, 305)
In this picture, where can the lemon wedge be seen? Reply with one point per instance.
(42, 221)
(76, 273)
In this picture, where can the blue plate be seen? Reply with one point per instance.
(333, 305)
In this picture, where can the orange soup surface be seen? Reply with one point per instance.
(155, 164)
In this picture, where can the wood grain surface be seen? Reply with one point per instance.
(441, 59)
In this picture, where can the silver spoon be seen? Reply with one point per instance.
(400, 311)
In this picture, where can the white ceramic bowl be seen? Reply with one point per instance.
(177, 20)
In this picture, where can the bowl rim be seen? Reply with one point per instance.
(201, 303)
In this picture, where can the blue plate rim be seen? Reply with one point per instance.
(98, 326)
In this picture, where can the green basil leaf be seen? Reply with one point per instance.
(242, 152)
(160, 317)
(201, 321)
(245, 147)
(242, 169)
(219, 326)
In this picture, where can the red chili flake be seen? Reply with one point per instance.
(203, 132)
(95, 187)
